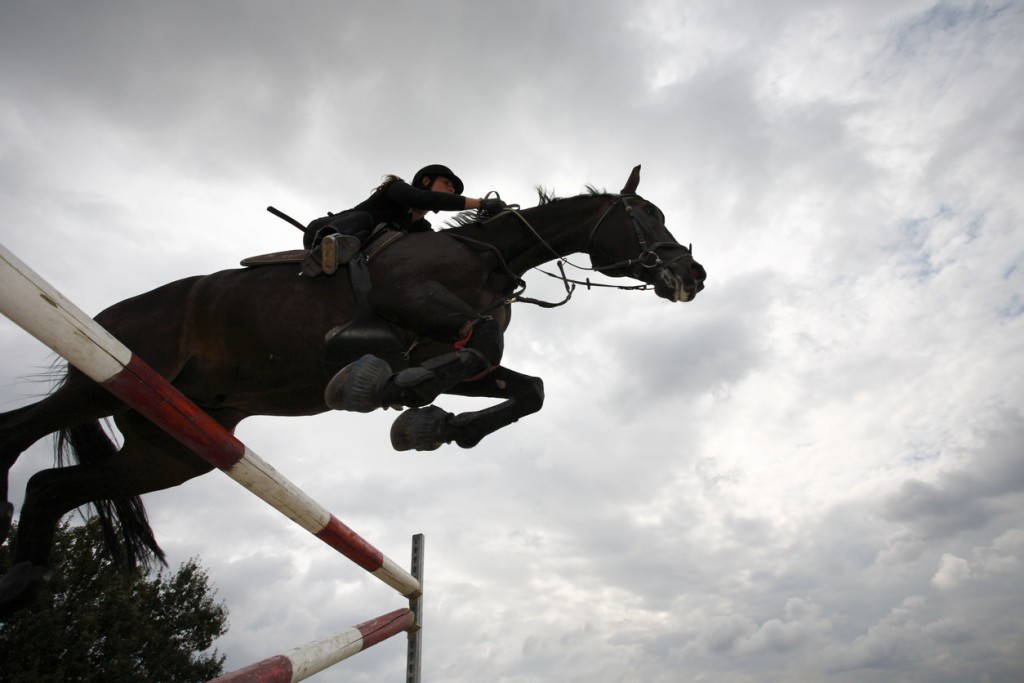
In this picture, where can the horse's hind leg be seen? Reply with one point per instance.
(8, 456)
(149, 460)
(77, 401)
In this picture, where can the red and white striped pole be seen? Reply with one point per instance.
(30, 302)
(303, 662)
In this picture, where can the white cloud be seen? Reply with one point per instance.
(888, 643)
(952, 572)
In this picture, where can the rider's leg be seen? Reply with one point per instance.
(313, 229)
(335, 240)
(349, 232)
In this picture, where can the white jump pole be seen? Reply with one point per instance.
(30, 302)
(302, 662)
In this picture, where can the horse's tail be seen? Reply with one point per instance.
(126, 529)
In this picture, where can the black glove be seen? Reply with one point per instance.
(490, 206)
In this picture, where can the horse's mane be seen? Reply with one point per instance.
(544, 197)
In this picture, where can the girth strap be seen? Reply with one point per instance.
(367, 332)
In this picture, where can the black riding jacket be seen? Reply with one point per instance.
(394, 203)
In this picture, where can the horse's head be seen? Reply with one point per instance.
(630, 240)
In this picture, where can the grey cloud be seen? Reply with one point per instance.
(888, 644)
(680, 355)
(936, 511)
(967, 497)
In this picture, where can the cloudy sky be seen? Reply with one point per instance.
(810, 473)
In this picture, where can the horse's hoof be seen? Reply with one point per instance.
(358, 386)
(19, 586)
(419, 429)
(6, 515)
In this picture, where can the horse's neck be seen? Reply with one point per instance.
(544, 233)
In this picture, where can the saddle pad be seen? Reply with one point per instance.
(292, 256)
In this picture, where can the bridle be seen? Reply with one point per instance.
(647, 258)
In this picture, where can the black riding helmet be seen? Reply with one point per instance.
(435, 170)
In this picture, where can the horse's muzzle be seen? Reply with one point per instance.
(680, 281)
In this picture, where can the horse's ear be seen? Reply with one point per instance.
(634, 180)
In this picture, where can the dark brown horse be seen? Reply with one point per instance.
(253, 342)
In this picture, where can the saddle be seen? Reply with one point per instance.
(275, 258)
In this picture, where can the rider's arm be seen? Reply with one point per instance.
(425, 200)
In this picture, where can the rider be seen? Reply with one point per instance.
(396, 205)
(429, 309)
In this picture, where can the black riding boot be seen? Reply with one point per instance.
(335, 241)
(351, 231)
(337, 250)
(332, 250)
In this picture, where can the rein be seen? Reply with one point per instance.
(647, 258)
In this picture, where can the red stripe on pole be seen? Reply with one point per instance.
(382, 628)
(273, 670)
(350, 544)
(143, 389)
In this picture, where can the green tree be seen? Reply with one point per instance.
(95, 623)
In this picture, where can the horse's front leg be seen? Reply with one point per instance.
(425, 429)
(369, 383)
